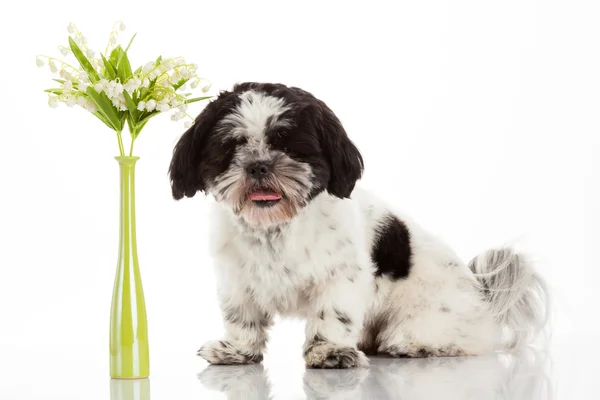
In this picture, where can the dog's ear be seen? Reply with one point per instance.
(345, 161)
(185, 169)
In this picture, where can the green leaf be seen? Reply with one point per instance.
(83, 61)
(195, 99)
(111, 74)
(106, 108)
(119, 59)
(61, 81)
(54, 91)
(131, 41)
(180, 84)
(131, 106)
(144, 120)
(103, 119)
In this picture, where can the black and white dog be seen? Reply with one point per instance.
(292, 236)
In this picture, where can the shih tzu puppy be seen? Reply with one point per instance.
(293, 236)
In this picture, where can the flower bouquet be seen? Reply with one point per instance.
(119, 96)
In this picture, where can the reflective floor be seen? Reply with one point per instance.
(504, 377)
(569, 371)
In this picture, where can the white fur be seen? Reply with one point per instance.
(318, 265)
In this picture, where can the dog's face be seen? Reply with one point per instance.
(265, 150)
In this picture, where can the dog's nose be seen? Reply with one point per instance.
(258, 170)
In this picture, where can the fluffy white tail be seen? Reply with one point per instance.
(517, 295)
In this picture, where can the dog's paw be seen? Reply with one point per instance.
(400, 351)
(225, 353)
(329, 355)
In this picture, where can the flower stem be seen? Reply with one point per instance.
(131, 147)
(121, 151)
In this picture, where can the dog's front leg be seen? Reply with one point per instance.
(333, 329)
(245, 332)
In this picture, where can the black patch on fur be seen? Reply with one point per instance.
(342, 317)
(444, 309)
(391, 252)
(322, 314)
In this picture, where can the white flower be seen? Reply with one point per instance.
(175, 102)
(67, 86)
(150, 105)
(118, 89)
(64, 51)
(84, 40)
(81, 101)
(71, 28)
(123, 107)
(146, 82)
(99, 87)
(90, 106)
(194, 84)
(141, 105)
(113, 40)
(205, 88)
(64, 74)
(53, 101)
(90, 53)
(188, 124)
(177, 116)
(71, 101)
(122, 26)
(163, 107)
(82, 86)
(183, 87)
(148, 67)
(154, 73)
(52, 66)
(183, 108)
(39, 62)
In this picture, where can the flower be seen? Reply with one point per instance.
(150, 105)
(152, 89)
(163, 107)
(148, 66)
(205, 88)
(53, 101)
(71, 101)
(177, 116)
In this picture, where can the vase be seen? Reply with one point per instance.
(129, 357)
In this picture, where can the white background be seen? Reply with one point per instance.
(478, 118)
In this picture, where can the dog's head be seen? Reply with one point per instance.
(265, 150)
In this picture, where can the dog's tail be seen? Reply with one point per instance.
(517, 295)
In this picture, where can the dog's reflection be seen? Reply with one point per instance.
(497, 377)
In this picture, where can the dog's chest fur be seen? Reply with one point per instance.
(282, 268)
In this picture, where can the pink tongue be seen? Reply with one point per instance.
(264, 196)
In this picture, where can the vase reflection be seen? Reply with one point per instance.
(500, 377)
(130, 389)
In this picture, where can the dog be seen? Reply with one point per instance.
(293, 236)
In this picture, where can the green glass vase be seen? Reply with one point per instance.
(129, 357)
